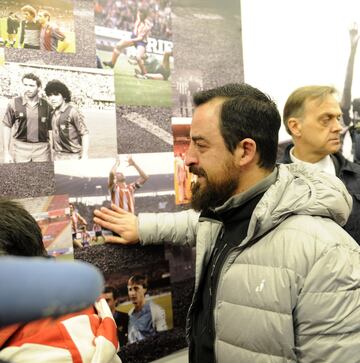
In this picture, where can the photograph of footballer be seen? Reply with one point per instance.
(44, 25)
(182, 176)
(135, 40)
(184, 85)
(58, 34)
(144, 294)
(47, 119)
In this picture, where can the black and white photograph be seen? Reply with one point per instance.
(143, 129)
(185, 85)
(207, 35)
(54, 113)
(27, 180)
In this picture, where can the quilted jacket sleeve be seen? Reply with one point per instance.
(327, 314)
(177, 228)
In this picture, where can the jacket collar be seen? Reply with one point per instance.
(239, 199)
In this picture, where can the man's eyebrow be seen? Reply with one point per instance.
(330, 114)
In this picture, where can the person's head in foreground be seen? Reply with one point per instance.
(20, 235)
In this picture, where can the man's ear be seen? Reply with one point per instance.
(245, 152)
(294, 125)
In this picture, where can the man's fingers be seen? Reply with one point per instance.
(108, 223)
(118, 209)
(107, 215)
(115, 239)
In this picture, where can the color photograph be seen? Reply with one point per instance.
(182, 176)
(135, 40)
(141, 301)
(53, 217)
(38, 24)
(75, 22)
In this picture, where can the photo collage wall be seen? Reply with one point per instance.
(95, 107)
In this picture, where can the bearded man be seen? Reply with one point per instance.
(277, 278)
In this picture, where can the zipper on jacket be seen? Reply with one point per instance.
(213, 284)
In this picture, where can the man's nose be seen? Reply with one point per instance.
(190, 156)
(337, 126)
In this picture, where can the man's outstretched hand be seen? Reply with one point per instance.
(119, 221)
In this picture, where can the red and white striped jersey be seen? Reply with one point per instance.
(123, 196)
(88, 336)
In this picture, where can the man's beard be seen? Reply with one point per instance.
(216, 192)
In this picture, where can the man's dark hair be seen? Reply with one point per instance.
(111, 289)
(139, 280)
(32, 76)
(31, 10)
(20, 235)
(246, 113)
(56, 87)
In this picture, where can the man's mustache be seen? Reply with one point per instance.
(197, 171)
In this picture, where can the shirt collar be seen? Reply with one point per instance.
(25, 100)
(63, 107)
(324, 164)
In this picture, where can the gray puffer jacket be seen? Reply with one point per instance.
(294, 295)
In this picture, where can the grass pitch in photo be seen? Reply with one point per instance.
(135, 39)
(131, 88)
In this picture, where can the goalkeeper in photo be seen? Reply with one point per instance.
(70, 136)
(154, 69)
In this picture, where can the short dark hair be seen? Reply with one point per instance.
(139, 280)
(32, 76)
(56, 87)
(246, 113)
(20, 235)
(111, 289)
